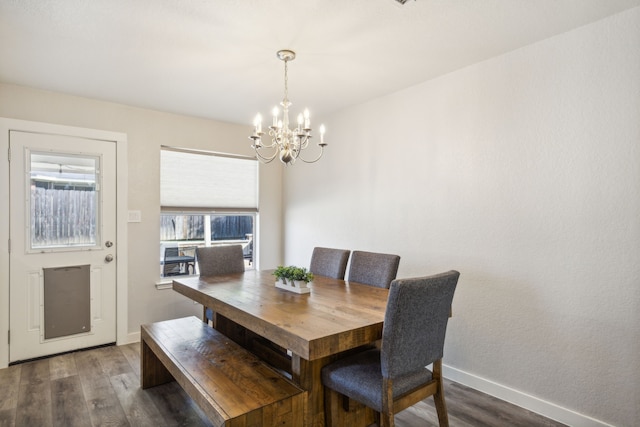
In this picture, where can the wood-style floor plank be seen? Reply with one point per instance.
(10, 380)
(101, 387)
(62, 366)
(102, 402)
(69, 407)
(471, 408)
(8, 417)
(113, 361)
(132, 353)
(34, 395)
(176, 406)
(137, 403)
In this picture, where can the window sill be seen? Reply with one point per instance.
(164, 284)
(167, 282)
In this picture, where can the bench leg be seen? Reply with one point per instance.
(152, 371)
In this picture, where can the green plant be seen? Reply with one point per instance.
(300, 273)
(293, 273)
(281, 272)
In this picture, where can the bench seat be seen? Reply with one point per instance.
(232, 386)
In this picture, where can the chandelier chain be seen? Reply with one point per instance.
(286, 80)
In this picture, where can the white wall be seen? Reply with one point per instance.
(523, 173)
(147, 130)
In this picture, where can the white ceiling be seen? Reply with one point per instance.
(217, 58)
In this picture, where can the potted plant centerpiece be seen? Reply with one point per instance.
(293, 278)
(300, 276)
(281, 273)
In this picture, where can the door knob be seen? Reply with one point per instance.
(108, 258)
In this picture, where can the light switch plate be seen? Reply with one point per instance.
(135, 216)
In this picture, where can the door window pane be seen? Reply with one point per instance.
(64, 200)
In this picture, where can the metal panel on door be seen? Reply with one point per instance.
(67, 301)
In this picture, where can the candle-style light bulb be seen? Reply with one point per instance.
(322, 130)
(275, 113)
(307, 121)
(300, 122)
(258, 123)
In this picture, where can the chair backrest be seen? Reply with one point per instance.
(217, 260)
(170, 269)
(171, 251)
(373, 268)
(415, 322)
(329, 262)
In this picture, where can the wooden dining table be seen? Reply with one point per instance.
(335, 318)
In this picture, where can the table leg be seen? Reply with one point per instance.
(307, 374)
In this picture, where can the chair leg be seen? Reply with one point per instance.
(438, 397)
(387, 404)
(387, 420)
(441, 408)
(204, 315)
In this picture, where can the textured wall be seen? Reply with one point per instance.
(523, 173)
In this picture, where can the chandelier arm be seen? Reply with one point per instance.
(304, 141)
(272, 145)
(266, 159)
(317, 158)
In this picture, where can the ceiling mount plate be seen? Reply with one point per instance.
(286, 55)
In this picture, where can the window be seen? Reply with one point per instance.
(206, 199)
(64, 200)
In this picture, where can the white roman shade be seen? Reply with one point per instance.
(207, 182)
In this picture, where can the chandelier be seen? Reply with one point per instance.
(286, 143)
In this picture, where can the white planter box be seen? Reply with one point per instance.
(297, 286)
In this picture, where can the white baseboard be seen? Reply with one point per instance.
(132, 337)
(518, 398)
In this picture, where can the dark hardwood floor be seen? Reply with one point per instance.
(101, 387)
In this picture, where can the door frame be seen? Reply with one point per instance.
(120, 139)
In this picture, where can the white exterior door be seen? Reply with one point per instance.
(63, 248)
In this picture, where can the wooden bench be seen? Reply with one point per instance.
(232, 386)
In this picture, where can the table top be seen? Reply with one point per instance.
(335, 316)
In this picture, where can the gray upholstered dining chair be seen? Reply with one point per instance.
(329, 262)
(395, 376)
(372, 268)
(216, 261)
